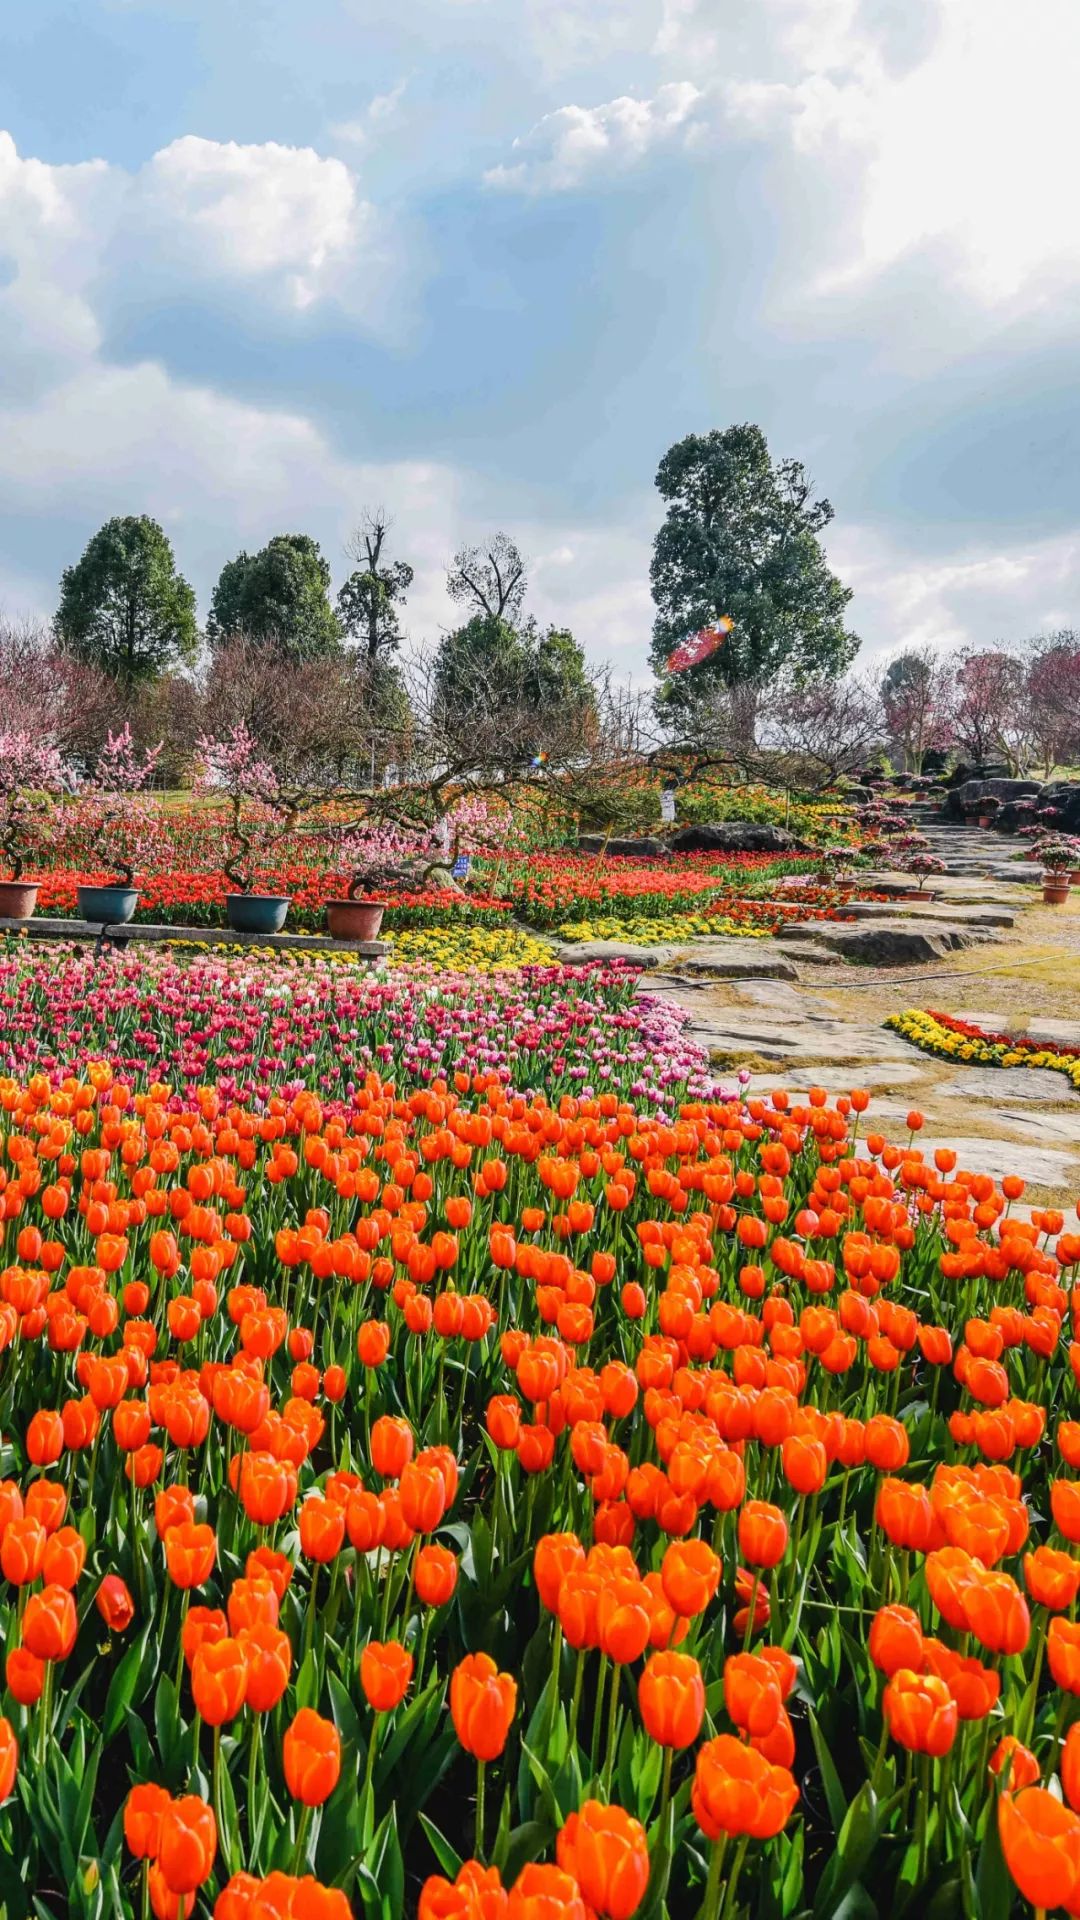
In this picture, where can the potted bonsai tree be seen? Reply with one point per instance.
(115, 825)
(259, 813)
(1058, 857)
(31, 772)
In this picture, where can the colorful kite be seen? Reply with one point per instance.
(691, 652)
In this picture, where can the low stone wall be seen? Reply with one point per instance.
(119, 936)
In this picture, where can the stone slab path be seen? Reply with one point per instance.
(990, 951)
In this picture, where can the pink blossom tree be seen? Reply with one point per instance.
(112, 819)
(31, 773)
(260, 809)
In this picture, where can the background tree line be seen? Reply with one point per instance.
(314, 674)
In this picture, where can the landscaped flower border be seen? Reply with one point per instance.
(951, 1039)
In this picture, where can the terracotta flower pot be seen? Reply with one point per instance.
(1055, 888)
(18, 898)
(257, 912)
(355, 919)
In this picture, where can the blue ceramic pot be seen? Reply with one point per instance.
(256, 912)
(107, 906)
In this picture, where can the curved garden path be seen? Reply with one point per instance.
(823, 1024)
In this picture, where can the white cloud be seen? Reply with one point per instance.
(283, 216)
(285, 222)
(966, 141)
(972, 597)
(377, 115)
(568, 148)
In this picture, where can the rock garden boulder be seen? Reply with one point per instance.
(734, 836)
(963, 798)
(622, 849)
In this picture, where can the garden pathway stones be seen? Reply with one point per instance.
(1034, 1084)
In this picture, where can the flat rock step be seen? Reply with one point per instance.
(952, 910)
(733, 959)
(889, 943)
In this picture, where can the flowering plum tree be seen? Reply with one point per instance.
(112, 819)
(31, 772)
(260, 809)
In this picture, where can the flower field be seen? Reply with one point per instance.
(459, 1461)
(952, 1039)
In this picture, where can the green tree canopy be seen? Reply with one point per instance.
(741, 538)
(123, 606)
(368, 603)
(280, 595)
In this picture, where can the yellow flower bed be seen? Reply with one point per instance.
(472, 949)
(933, 1036)
(647, 930)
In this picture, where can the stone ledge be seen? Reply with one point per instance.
(131, 931)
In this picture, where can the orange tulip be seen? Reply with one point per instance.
(476, 1894)
(545, 1893)
(920, 1711)
(763, 1534)
(435, 1572)
(1063, 1653)
(1041, 1842)
(385, 1671)
(896, 1639)
(50, 1623)
(219, 1678)
(22, 1550)
(392, 1446)
(9, 1758)
(1013, 1764)
(143, 1810)
(605, 1850)
(690, 1572)
(482, 1705)
(312, 1758)
(268, 1662)
(1052, 1578)
(115, 1604)
(187, 1844)
(24, 1675)
(190, 1553)
(322, 1528)
(555, 1555)
(671, 1696)
(752, 1693)
(997, 1613)
(736, 1790)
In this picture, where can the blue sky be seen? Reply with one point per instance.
(482, 260)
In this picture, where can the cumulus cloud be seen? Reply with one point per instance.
(574, 145)
(286, 222)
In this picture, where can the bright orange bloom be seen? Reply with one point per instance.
(1014, 1764)
(556, 1555)
(392, 1446)
(143, 1810)
(1052, 1578)
(1069, 1767)
(219, 1678)
(24, 1675)
(1063, 1653)
(544, 1893)
(312, 1758)
(1041, 1842)
(671, 1696)
(690, 1572)
(736, 1790)
(763, 1534)
(605, 1850)
(9, 1758)
(477, 1893)
(187, 1844)
(190, 1553)
(482, 1705)
(50, 1623)
(435, 1572)
(920, 1711)
(115, 1604)
(896, 1639)
(268, 1659)
(322, 1528)
(385, 1671)
(752, 1693)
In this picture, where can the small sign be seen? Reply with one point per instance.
(460, 868)
(667, 805)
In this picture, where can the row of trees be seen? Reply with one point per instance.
(740, 547)
(1018, 707)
